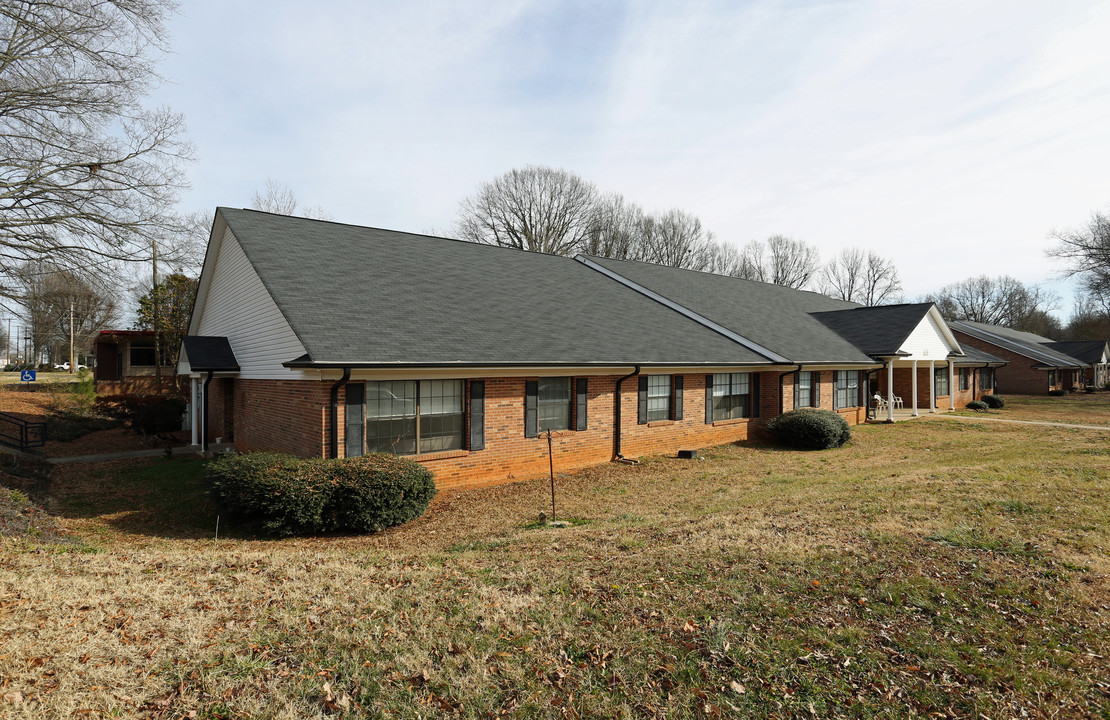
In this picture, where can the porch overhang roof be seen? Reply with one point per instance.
(200, 353)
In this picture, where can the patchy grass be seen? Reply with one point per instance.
(1076, 408)
(929, 568)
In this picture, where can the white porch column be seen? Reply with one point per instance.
(890, 390)
(194, 412)
(951, 385)
(932, 386)
(915, 388)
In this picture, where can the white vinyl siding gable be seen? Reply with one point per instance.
(238, 306)
(927, 342)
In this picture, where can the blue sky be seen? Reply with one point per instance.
(952, 137)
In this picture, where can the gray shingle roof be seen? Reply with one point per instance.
(1089, 351)
(773, 316)
(1023, 343)
(357, 295)
(209, 353)
(880, 330)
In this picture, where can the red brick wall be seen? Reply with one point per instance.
(293, 416)
(509, 455)
(1018, 376)
(277, 415)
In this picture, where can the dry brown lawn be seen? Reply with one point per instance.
(942, 568)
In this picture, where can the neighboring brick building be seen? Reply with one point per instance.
(125, 364)
(324, 339)
(1033, 366)
(1096, 353)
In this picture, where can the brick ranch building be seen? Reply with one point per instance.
(330, 340)
(1033, 365)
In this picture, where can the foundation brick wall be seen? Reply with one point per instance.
(1018, 376)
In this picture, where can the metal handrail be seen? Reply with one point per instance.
(19, 433)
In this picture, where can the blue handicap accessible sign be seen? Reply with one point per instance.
(27, 376)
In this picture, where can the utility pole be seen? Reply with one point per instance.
(9, 341)
(157, 323)
(72, 366)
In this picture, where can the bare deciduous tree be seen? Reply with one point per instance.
(780, 260)
(1087, 253)
(534, 208)
(997, 301)
(862, 277)
(280, 200)
(88, 175)
(48, 292)
(615, 229)
(676, 239)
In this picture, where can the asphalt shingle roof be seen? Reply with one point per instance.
(975, 356)
(775, 317)
(209, 353)
(1089, 351)
(1023, 343)
(880, 330)
(360, 295)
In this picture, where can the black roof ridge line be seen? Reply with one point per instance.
(684, 311)
(720, 275)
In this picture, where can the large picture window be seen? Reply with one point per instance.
(403, 415)
(846, 391)
(986, 378)
(553, 405)
(940, 380)
(732, 396)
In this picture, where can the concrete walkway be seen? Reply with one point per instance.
(981, 418)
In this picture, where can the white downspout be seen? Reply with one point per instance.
(890, 390)
(914, 388)
(932, 386)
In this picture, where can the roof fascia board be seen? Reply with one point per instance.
(686, 312)
(949, 336)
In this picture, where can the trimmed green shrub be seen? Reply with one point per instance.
(1057, 393)
(994, 401)
(977, 406)
(145, 414)
(810, 429)
(285, 495)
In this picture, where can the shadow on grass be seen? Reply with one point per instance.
(156, 497)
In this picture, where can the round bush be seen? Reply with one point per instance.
(285, 495)
(994, 401)
(810, 429)
(977, 406)
(1057, 393)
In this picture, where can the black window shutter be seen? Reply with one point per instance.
(642, 401)
(477, 414)
(815, 383)
(797, 385)
(755, 394)
(353, 410)
(708, 399)
(581, 390)
(531, 406)
(677, 404)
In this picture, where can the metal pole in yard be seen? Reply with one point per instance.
(551, 471)
(71, 363)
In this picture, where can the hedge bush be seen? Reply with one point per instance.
(285, 495)
(145, 414)
(994, 401)
(977, 406)
(810, 429)
(1057, 393)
